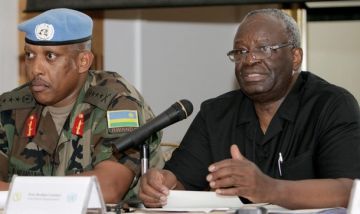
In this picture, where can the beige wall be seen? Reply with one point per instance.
(334, 53)
(172, 54)
(8, 45)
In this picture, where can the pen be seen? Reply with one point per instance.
(144, 156)
(280, 161)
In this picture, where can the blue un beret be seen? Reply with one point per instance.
(57, 27)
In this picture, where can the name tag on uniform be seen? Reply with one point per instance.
(60, 194)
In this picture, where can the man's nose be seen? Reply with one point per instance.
(36, 67)
(250, 58)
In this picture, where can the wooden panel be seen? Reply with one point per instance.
(98, 39)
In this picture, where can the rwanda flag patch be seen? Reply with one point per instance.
(122, 119)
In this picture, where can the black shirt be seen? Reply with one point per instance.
(316, 130)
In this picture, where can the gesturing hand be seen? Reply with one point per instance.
(241, 177)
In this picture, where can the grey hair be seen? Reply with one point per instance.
(290, 24)
(83, 46)
(87, 45)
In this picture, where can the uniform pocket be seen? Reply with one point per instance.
(300, 167)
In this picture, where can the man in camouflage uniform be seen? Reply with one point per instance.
(59, 123)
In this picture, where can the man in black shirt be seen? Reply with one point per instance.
(286, 137)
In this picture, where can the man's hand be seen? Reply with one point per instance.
(114, 179)
(241, 177)
(155, 186)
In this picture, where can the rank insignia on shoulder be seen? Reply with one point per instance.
(122, 120)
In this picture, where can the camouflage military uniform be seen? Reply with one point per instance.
(49, 153)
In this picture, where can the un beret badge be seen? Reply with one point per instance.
(44, 31)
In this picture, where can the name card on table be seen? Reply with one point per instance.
(56, 195)
(354, 203)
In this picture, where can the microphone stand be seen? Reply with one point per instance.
(144, 156)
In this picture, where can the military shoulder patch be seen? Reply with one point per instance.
(17, 99)
(122, 120)
(99, 96)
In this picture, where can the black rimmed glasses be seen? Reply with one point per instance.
(259, 53)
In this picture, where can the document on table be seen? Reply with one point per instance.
(201, 199)
(204, 201)
(3, 197)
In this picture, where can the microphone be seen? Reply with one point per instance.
(178, 111)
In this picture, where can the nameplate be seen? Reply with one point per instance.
(354, 202)
(58, 194)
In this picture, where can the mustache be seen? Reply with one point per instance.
(38, 81)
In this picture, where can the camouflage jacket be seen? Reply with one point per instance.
(103, 101)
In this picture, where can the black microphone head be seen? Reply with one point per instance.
(187, 107)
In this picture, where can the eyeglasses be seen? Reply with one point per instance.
(259, 53)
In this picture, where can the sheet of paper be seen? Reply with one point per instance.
(178, 210)
(3, 197)
(354, 203)
(201, 199)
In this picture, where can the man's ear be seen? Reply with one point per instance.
(297, 58)
(85, 60)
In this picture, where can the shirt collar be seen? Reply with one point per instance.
(246, 109)
(290, 107)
